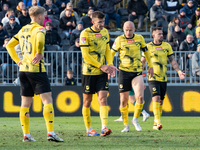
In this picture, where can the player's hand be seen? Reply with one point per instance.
(151, 72)
(37, 58)
(113, 71)
(181, 75)
(19, 63)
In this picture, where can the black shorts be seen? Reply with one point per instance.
(94, 83)
(158, 88)
(34, 82)
(125, 79)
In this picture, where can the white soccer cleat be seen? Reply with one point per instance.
(158, 126)
(54, 138)
(28, 139)
(145, 116)
(134, 122)
(126, 129)
(119, 119)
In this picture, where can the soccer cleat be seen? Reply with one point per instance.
(157, 126)
(145, 116)
(92, 133)
(119, 119)
(134, 122)
(105, 132)
(126, 129)
(54, 138)
(28, 139)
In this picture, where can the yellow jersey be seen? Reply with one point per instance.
(129, 52)
(95, 50)
(159, 54)
(31, 39)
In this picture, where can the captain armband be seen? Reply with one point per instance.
(144, 49)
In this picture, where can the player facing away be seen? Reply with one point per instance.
(32, 73)
(133, 101)
(159, 52)
(94, 43)
(129, 47)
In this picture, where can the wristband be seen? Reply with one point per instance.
(179, 71)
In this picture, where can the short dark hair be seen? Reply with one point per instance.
(98, 14)
(156, 28)
(70, 71)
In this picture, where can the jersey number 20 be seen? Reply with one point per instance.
(26, 44)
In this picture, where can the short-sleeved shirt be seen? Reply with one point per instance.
(96, 43)
(159, 54)
(28, 41)
(129, 52)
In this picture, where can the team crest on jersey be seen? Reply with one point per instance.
(130, 41)
(137, 44)
(158, 47)
(42, 29)
(83, 40)
(98, 35)
(104, 38)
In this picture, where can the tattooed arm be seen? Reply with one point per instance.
(176, 67)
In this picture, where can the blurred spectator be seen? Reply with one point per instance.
(70, 80)
(2, 2)
(67, 23)
(13, 3)
(8, 14)
(74, 13)
(183, 3)
(87, 19)
(75, 57)
(108, 8)
(52, 37)
(84, 5)
(171, 7)
(12, 27)
(6, 59)
(175, 21)
(29, 3)
(196, 62)
(183, 19)
(195, 18)
(61, 4)
(18, 10)
(137, 9)
(32, 3)
(46, 19)
(52, 9)
(189, 9)
(189, 30)
(3, 35)
(76, 32)
(42, 2)
(187, 45)
(197, 3)
(176, 38)
(197, 38)
(24, 19)
(150, 4)
(157, 13)
(3, 12)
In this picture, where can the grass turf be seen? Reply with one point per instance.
(177, 133)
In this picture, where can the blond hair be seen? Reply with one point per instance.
(36, 11)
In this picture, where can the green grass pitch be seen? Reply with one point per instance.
(178, 133)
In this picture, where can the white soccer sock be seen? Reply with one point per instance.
(27, 135)
(51, 132)
(143, 112)
(90, 129)
(104, 126)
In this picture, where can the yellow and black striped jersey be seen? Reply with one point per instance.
(159, 54)
(95, 50)
(129, 52)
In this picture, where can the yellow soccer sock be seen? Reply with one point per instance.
(104, 115)
(156, 111)
(124, 113)
(86, 117)
(138, 109)
(48, 113)
(24, 119)
(161, 110)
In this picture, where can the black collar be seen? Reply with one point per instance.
(129, 38)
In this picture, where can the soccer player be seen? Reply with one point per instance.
(129, 46)
(159, 52)
(32, 73)
(94, 43)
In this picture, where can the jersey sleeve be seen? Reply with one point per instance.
(11, 50)
(108, 51)
(143, 43)
(170, 51)
(115, 48)
(83, 39)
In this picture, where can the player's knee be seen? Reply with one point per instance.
(140, 99)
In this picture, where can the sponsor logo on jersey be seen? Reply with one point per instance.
(42, 29)
(158, 47)
(98, 35)
(83, 40)
(130, 41)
